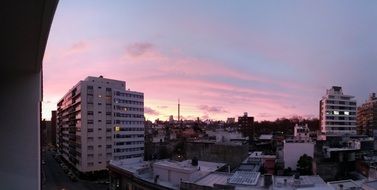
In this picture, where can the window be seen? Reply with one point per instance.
(90, 113)
(99, 112)
(99, 103)
(108, 121)
(90, 130)
(99, 87)
(90, 164)
(99, 120)
(90, 121)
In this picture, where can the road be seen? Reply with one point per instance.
(56, 179)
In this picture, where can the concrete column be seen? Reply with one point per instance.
(19, 131)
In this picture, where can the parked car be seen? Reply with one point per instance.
(72, 177)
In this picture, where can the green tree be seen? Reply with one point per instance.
(304, 165)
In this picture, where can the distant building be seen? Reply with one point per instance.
(246, 125)
(337, 113)
(367, 116)
(99, 120)
(231, 120)
(45, 132)
(301, 132)
(230, 153)
(53, 129)
(171, 119)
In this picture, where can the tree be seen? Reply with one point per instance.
(304, 165)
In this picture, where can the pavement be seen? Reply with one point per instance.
(54, 178)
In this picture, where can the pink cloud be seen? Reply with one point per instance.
(150, 111)
(164, 77)
(139, 48)
(78, 47)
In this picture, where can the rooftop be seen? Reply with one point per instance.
(347, 184)
(186, 166)
(370, 185)
(143, 170)
(244, 178)
(214, 178)
(304, 183)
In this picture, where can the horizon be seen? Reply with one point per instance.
(220, 59)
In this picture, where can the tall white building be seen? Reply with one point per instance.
(98, 120)
(337, 113)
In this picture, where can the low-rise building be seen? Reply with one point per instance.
(162, 174)
(294, 149)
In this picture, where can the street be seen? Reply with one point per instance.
(56, 179)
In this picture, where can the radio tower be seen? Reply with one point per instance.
(179, 109)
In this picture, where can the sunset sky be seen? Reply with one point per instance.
(221, 58)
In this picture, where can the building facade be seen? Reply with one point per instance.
(98, 120)
(53, 128)
(246, 124)
(367, 116)
(337, 113)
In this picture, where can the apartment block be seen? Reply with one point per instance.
(98, 120)
(337, 113)
(367, 116)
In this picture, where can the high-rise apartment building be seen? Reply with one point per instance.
(53, 128)
(99, 120)
(246, 125)
(367, 116)
(337, 113)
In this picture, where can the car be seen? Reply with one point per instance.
(73, 178)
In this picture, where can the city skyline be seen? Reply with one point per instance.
(221, 59)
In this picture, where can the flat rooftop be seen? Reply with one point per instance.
(187, 166)
(142, 169)
(347, 184)
(305, 183)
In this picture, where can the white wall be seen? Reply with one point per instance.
(173, 176)
(19, 132)
(293, 151)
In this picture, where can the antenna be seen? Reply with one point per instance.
(179, 110)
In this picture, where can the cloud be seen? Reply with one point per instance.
(78, 47)
(212, 109)
(264, 115)
(162, 107)
(139, 48)
(150, 111)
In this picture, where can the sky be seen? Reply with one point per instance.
(220, 58)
